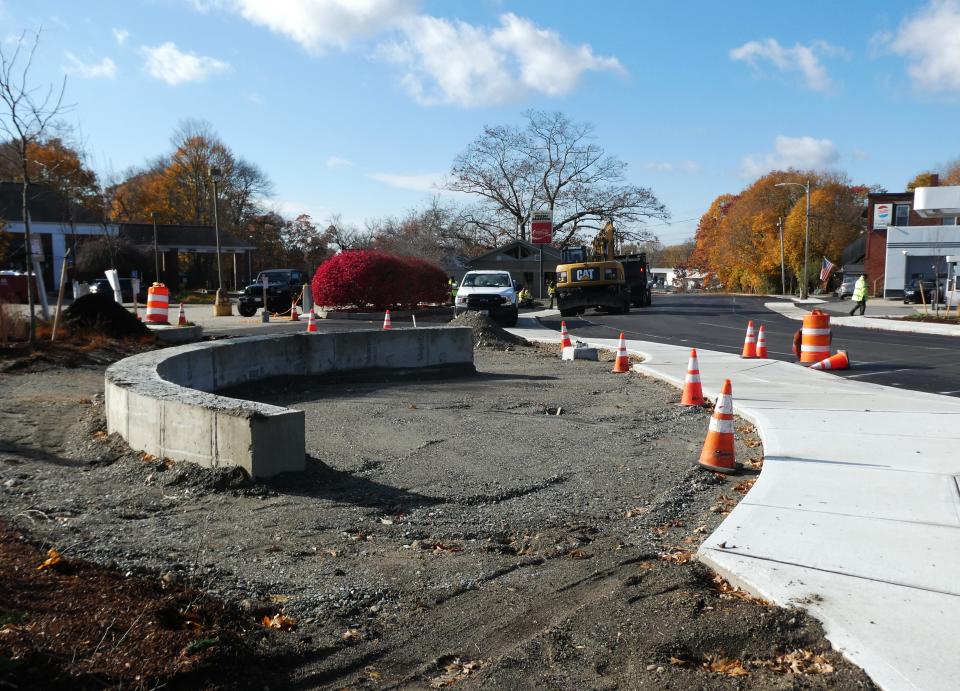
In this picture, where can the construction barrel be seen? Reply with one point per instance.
(815, 337)
(158, 304)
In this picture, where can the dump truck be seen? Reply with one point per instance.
(598, 277)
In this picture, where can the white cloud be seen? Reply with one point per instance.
(89, 70)
(320, 24)
(173, 66)
(931, 38)
(453, 62)
(121, 36)
(338, 162)
(792, 152)
(859, 155)
(418, 182)
(688, 167)
(800, 58)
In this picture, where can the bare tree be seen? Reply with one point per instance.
(345, 236)
(555, 164)
(28, 113)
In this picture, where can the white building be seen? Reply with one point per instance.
(928, 252)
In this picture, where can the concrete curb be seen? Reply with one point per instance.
(427, 314)
(163, 402)
(855, 516)
(174, 334)
(797, 313)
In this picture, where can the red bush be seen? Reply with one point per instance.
(369, 278)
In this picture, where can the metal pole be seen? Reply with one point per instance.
(806, 248)
(783, 272)
(540, 288)
(156, 253)
(216, 231)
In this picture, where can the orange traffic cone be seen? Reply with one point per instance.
(386, 321)
(761, 343)
(182, 317)
(749, 342)
(838, 361)
(294, 317)
(311, 325)
(692, 390)
(718, 453)
(564, 336)
(622, 363)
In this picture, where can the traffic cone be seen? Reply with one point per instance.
(838, 361)
(749, 343)
(622, 363)
(718, 452)
(182, 317)
(386, 321)
(311, 325)
(294, 317)
(761, 343)
(564, 336)
(692, 390)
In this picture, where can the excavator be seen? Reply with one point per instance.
(598, 277)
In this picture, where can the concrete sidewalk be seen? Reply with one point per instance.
(856, 514)
(792, 311)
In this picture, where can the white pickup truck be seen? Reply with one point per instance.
(488, 291)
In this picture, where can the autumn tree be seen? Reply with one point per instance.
(551, 163)
(924, 179)
(27, 113)
(305, 245)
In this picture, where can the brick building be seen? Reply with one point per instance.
(906, 241)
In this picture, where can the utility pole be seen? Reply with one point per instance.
(156, 253)
(783, 273)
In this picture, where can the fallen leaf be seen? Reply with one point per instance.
(454, 671)
(728, 666)
(744, 487)
(53, 558)
(100, 435)
(677, 661)
(677, 556)
(330, 552)
(639, 511)
(279, 621)
(350, 635)
(279, 599)
(578, 554)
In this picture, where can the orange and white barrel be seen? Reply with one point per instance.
(815, 337)
(158, 304)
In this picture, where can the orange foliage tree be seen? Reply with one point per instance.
(738, 242)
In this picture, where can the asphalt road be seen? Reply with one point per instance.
(718, 322)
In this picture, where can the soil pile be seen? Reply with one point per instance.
(101, 313)
(486, 332)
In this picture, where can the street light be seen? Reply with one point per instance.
(221, 306)
(806, 240)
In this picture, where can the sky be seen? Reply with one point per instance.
(358, 107)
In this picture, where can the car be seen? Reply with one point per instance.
(102, 285)
(845, 289)
(493, 292)
(912, 293)
(283, 285)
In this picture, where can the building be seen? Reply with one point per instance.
(56, 223)
(664, 278)
(188, 254)
(522, 260)
(909, 235)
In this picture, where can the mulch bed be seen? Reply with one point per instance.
(67, 623)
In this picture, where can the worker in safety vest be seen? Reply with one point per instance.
(452, 285)
(552, 292)
(860, 295)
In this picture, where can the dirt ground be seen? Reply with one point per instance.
(533, 525)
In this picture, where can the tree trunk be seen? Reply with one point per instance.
(28, 252)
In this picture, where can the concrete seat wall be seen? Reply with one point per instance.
(165, 403)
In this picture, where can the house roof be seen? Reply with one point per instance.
(181, 237)
(517, 249)
(44, 204)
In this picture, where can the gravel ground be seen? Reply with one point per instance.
(532, 525)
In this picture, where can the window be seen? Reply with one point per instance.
(901, 215)
(948, 221)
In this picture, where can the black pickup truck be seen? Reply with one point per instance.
(283, 285)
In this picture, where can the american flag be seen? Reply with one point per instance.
(826, 266)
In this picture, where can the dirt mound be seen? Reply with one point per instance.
(101, 313)
(486, 332)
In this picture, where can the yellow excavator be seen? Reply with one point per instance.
(598, 277)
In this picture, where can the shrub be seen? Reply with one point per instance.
(369, 278)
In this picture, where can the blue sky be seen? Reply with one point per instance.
(357, 107)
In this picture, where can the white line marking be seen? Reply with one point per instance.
(883, 371)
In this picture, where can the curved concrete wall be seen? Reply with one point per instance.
(164, 402)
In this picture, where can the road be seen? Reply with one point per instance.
(718, 322)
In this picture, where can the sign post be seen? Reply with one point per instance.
(541, 233)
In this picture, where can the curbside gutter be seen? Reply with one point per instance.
(164, 402)
(791, 311)
(855, 516)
